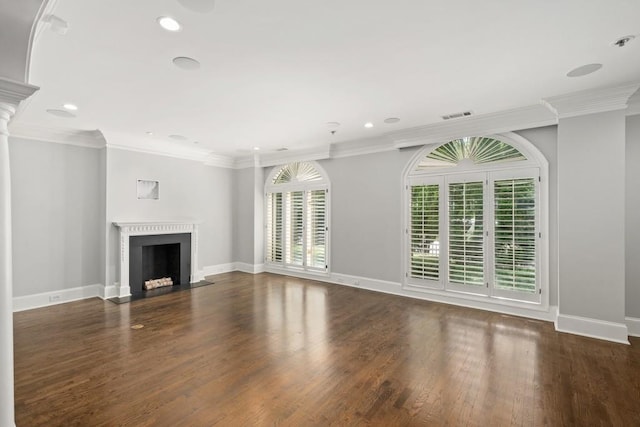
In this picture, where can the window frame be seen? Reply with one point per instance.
(535, 160)
(306, 187)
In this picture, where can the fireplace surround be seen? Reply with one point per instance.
(134, 236)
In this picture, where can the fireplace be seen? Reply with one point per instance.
(154, 250)
(159, 256)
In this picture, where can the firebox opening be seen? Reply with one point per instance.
(161, 261)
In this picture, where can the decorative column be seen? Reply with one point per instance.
(11, 93)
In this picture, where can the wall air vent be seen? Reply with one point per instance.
(456, 115)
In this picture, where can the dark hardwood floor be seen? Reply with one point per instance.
(267, 349)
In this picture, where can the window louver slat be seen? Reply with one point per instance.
(425, 231)
(466, 235)
(316, 229)
(515, 234)
(295, 228)
(274, 227)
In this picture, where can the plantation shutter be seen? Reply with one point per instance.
(274, 227)
(425, 231)
(295, 228)
(316, 228)
(466, 235)
(515, 234)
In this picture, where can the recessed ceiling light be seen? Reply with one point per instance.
(584, 70)
(368, 125)
(196, 142)
(256, 148)
(391, 120)
(169, 24)
(186, 63)
(150, 133)
(61, 113)
(333, 125)
(178, 137)
(70, 107)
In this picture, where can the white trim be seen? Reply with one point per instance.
(220, 161)
(249, 268)
(61, 296)
(184, 155)
(502, 121)
(593, 328)
(214, 269)
(13, 92)
(591, 101)
(79, 138)
(303, 155)
(359, 147)
(633, 326)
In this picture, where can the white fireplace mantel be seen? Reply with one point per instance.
(128, 229)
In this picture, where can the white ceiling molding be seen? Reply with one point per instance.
(362, 146)
(176, 155)
(220, 161)
(502, 121)
(13, 92)
(79, 138)
(281, 157)
(591, 101)
(244, 162)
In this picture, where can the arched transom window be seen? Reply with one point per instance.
(474, 219)
(297, 226)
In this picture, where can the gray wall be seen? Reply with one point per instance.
(366, 202)
(591, 216)
(243, 215)
(56, 216)
(189, 190)
(632, 249)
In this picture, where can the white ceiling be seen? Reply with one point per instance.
(274, 72)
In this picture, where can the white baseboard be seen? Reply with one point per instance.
(45, 299)
(249, 268)
(214, 269)
(633, 326)
(109, 291)
(593, 328)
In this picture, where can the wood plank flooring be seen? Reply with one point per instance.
(274, 350)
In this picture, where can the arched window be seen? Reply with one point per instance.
(475, 219)
(297, 220)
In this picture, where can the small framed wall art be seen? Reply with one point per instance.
(148, 190)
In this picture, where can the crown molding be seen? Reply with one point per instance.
(532, 116)
(14, 92)
(80, 138)
(633, 106)
(220, 161)
(359, 147)
(591, 101)
(193, 156)
(280, 157)
(243, 162)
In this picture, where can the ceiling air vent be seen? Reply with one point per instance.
(456, 115)
(282, 149)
